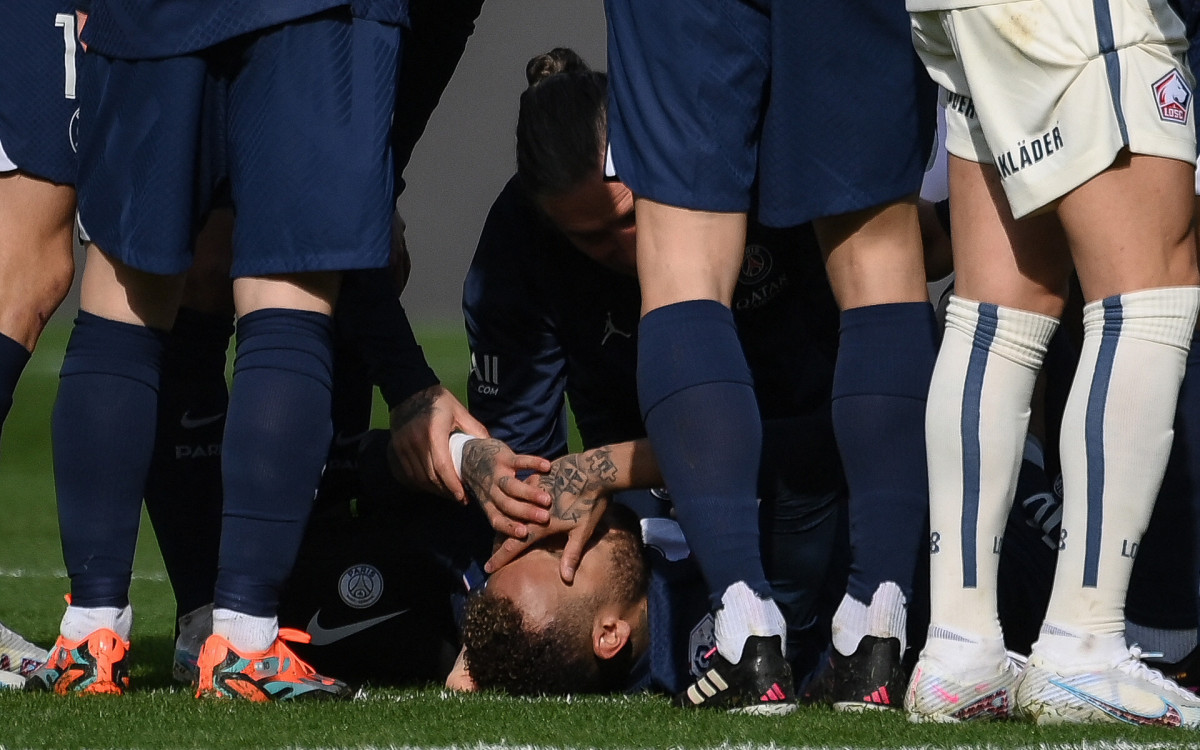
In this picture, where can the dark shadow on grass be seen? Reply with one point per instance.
(150, 659)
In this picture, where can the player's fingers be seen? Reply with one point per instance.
(443, 465)
(506, 553)
(514, 505)
(469, 424)
(509, 527)
(531, 463)
(431, 474)
(572, 553)
(410, 464)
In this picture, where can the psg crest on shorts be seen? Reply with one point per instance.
(756, 264)
(1173, 95)
(361, 586)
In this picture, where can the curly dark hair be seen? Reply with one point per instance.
(504, 653)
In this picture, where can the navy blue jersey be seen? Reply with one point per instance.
(147, 29)
(545, 322)
(679, 621)
(436, 40)
(371, 321)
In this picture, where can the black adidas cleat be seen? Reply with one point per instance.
(760, 684)
(871, 678)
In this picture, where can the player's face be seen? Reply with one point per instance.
(533, 583)
(597, 217)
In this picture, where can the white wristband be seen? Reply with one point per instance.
(457, 441)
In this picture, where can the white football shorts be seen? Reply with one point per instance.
(1050, 90)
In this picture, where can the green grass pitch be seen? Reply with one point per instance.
(158, 714)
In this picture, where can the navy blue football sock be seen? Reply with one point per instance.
(697, 399)
(13, 358)
(885, 361)
(183, 489)
(103, 435)
(277, 436)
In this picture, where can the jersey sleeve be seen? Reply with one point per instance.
(435, 43)
(371, 319)
(518, 367)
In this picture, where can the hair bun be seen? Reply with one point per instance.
(557, 60)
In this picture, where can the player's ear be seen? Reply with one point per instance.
(609, 636)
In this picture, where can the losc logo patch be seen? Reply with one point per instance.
(700, 646)
(361, 586)
(1173, 95)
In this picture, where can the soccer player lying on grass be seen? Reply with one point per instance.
(551, 304)
(634, 616)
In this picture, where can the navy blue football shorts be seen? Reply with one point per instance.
(38, 68)
(798, 110)
(295, 119)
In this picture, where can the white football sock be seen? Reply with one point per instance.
(886, 617)
(80, 622)
(1116, 434)
(975, 425)
(245, 632)
(743, 614)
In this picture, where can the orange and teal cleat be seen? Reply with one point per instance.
(276, 674)
(95, 665)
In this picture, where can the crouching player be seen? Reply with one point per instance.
(551, 303)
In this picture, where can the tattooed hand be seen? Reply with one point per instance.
(579, 486)
(421, 428)
(489, 469)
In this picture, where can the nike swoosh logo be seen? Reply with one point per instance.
(188, 423)
(324, 636)
(1168, 718)
(341, 441)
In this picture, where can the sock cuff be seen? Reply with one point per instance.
(13, 358)
(744, 613)
(245, 632)
(1019, 336)
(890, 315)
(80, 622)
(1164, 316)
(886, 350)
(303, 338)
(684, 345)
(110, 347)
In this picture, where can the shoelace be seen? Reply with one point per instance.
(1135, 667)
